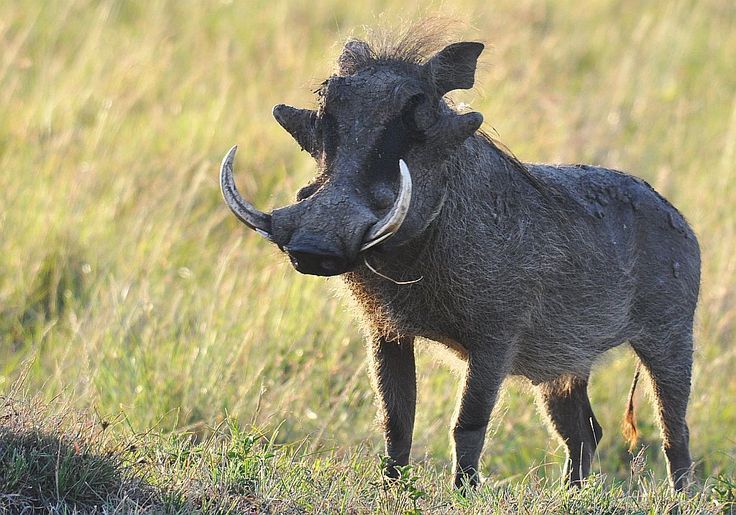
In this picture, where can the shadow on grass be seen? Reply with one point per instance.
(54, 459)
(63, 464)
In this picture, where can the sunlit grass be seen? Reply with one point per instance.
(125, 285)
(55, 460)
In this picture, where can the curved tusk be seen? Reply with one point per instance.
(242, 209)
(389, 224)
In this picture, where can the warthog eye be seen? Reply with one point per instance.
(311, 188)
(306, 192)
(399, 135)
(325, 128)
(413, 117)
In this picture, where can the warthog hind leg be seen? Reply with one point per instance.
(668, 360)
(566, 404)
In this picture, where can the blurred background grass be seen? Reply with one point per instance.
(126, 285)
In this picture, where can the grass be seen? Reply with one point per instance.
(127, 289)
(55, 460)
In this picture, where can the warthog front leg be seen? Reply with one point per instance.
(483, 378)
(394, 381)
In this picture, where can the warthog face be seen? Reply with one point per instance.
(378, 136)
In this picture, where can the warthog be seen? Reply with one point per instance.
(530, 270)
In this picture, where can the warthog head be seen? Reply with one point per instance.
(379, 136)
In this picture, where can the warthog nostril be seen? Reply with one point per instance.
(313, 260)
(330, 265)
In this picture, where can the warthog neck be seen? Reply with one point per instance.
(429, 284)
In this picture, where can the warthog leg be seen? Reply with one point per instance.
(566, 404)
(484, 375)
(668, 360)
(394, 381)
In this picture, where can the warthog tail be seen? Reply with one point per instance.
(628, 426)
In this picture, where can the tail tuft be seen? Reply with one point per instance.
(628, 426)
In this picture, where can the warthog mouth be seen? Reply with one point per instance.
(260, 222)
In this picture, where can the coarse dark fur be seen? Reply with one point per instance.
(532, 270)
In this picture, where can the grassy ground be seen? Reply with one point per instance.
(127, 288)
(53, 459)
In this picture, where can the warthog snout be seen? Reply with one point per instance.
(324, 234)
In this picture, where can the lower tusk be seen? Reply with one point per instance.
(375, 242)
(391, 223)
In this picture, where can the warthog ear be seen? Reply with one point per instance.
(354, 54)
(300, 123)
(453, 67)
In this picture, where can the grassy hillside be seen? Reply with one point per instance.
(127, 289)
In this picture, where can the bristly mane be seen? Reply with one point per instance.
(414, 44)
(509, 156)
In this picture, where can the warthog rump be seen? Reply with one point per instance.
(522, 269)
